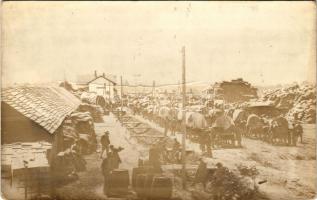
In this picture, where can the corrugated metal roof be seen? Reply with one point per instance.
(46, 106)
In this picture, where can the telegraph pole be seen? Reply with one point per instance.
(184, 119)
(121, 94)
(110, 92)
(153, 90)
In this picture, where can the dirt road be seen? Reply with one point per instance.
(289, 171)
(90, 183)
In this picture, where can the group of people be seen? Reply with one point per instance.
(110, 159)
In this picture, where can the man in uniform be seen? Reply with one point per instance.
(201, 173)
(114, 158)
(177, 155)
(105, 142)
(105, 169)
(218, 179)
(297, 133)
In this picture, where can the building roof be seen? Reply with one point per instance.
(104, 77)
(46, 106)
(87, 78)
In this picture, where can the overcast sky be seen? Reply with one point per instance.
(262, 42)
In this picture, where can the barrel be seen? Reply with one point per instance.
(147, 184)
(154, 155)
(118, 182)
(140, 170)
(161, 188)
(139, 185)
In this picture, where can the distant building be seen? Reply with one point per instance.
(236, 90)
(99, 84)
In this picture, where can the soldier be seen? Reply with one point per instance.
(218, 179)
(105, 142)
(297, 132)
(177, 151)
(205, 141)
(114, 158)
(154, 158)
(201, 173)
(105, 169)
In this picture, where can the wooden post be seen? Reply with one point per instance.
(25, 180)
(184, 120)
(109, 93)
(121, 94)
(153, 90)
(105, 89)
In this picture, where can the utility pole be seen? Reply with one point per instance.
(121, 94)
(110, 92)
(64, 78)
(184, 120)
(153, 90)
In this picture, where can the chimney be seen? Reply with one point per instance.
(95, 73)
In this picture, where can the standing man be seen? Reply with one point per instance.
(201, 175)
(154, 158)
(297, 133)
(205, 141)
(218, 180)
(105, 169)
(177, 157)
(166, 125)
(114, 158)
(105, 142)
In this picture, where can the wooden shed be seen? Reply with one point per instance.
(32, 119)
(35, 113)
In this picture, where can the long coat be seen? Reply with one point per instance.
(201, 173)
(114, 160)
(105, 169)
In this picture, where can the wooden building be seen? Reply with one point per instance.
(101, 85)
(32, 121)
(34, 113)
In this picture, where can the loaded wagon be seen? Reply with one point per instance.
(224, 133)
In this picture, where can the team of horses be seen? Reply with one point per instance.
(224, 126)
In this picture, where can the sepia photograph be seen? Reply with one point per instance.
(158, 100)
